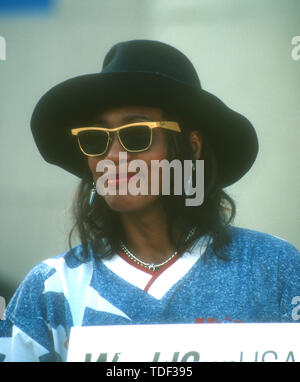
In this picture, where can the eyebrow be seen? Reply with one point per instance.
(128, 119)
(135, 116)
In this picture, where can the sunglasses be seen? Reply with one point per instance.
(134, 137)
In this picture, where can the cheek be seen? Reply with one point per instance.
(92, 163)
(157, 154)
(158, 151)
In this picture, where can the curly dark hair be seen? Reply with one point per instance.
(99, 227)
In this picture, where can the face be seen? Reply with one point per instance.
(116, 117)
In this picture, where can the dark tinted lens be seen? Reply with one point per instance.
(136, 138)
(93, 142)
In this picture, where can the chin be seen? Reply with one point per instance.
(129, 203)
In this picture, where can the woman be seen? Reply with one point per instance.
(147, 258)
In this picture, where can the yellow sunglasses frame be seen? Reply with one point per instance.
(169, 125)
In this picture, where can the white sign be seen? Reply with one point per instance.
(240, 342)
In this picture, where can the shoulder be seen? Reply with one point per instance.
(62, 263)
(265, 259)
(261, 244)
(53, 274)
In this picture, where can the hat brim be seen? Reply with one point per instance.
(78, 100)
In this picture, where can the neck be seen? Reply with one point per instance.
(146, 234)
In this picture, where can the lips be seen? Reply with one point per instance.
(120, 178)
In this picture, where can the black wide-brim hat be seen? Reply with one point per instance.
(148, 73)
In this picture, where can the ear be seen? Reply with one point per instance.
(196, 144)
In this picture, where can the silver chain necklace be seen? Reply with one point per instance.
(152, 266)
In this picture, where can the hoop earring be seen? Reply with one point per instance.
(92, 194)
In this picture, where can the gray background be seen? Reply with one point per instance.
(242, 52)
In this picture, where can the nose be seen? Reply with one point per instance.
(112, 154)
(114, 149)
